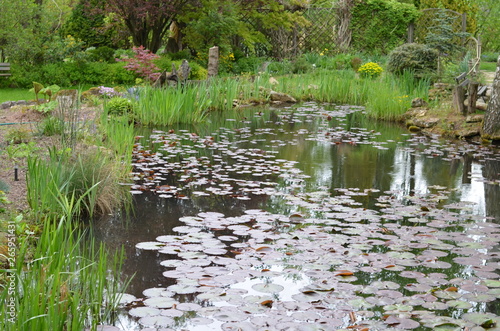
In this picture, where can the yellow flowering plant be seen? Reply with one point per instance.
(370, 70)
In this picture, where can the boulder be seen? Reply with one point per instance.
(278, 97)
(6, 104)
(418, 102)
(474, 118)
(428, 122)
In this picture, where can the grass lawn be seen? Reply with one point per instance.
(488, 66)
(15, 94)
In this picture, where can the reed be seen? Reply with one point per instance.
(166, 106)
(69, 185)
(61, 285)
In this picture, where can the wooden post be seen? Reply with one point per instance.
(471, 105)
(213, 61)
(411, 32)
(458, 99)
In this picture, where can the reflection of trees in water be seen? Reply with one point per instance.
(491, 171)
(153, 217)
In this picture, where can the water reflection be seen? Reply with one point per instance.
(319, 159)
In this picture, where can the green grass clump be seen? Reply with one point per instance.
(71, 185)
(61, 285)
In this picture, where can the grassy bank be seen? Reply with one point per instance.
(57, 284)
(386, 97)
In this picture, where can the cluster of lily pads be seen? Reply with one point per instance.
(410, 262)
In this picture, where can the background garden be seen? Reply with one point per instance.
(87, 68)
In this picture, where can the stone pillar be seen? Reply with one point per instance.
(213, 61)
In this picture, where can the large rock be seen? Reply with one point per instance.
(418, 102)
(474, 118)
(278, 97)
(6, 104)
(427, 122)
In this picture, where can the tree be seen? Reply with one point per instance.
(489, 24)
(234, 23)
(148, 21)
(84, 25)
(491, 123)
(468, 7)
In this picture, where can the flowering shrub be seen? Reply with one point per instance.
(142, 64)
(108, 92)
(370, 69)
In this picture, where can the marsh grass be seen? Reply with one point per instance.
(165, 106)
(72, 185)
(61, 285)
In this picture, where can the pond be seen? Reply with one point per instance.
(309, 218)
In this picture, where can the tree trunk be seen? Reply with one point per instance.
(491, 123)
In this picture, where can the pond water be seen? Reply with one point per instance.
(309, 218)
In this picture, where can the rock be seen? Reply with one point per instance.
(468, 132)
(278, 97)
(24, 102)
(273, 81)
(6, 104)
(480, 104)
(426, 122)
(416, 112)
(418, 102)
(474, 118)
(488, 92)
(413, 129)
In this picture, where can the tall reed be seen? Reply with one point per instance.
(165, 106)
(86, 182)
(61, 285)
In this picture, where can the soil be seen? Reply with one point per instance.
(22, 121)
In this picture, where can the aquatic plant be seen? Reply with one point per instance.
(62, 284)
(88, 181)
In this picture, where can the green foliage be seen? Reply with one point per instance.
(489, 57)
(164, 62)
(46, 107)
(468, 7)
(51, 126)
(181, 55)
(60, 283)
(87, 25)
(249, 64)
(380, 25)
(119, 106)
(197, 72)
(418, 58)
(90, 178)
(443, 37)
(300, 66)
(370, 70)
(17, 136)
(488, 24)
(101, 54)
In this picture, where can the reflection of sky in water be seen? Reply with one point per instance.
(321, 165)
(474, 192)
(408, 177)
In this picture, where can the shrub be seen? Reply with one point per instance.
(380, 25)
(143, 64)
(419, 58)
(181, 55)
(197, 72)
(102, 54)
(164, 63)
(370, 70)
(119, 106)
